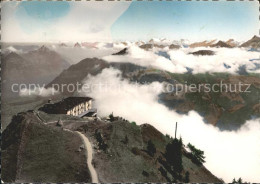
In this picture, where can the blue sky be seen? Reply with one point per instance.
(35, 15)
(99, 21)
(43, 11)
(188, 20)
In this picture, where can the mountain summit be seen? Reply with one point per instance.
(254, 42)
(221, 44)
(43, 49)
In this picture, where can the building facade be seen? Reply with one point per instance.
(80, 108)
(73, 106)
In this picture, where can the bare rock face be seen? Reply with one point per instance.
(121, 52)
(203, 53)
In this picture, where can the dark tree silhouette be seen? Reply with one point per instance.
(111, 117)
(151, 148)
(101, 143)
(197, 154)
(173, 155)
(187, 177)
(238, 181)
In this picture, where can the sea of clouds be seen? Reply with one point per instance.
(225, 59)
(228, 60)
(74, 55)
(228, 154)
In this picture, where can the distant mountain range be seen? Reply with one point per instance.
(231, 43)
(38, 66)
(254, 42)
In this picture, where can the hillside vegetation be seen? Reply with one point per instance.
(34, 152)
(35, 149)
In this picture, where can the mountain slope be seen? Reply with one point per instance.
(253, 42)
(46, 58)
(221, 44)
(202, 44)
(232, 43)
(33, 151)
(122, 154)
(35, 67)
(225, 110)
(76, 73)
(16, 68)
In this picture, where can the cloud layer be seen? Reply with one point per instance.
(228, 154)
(37, 91)
(74, 55)
(224, 60)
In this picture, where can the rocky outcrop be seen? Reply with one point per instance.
(121, 52)
(203, 53)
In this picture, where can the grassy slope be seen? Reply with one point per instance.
(34, 152)
(126, 162)
(47, 155)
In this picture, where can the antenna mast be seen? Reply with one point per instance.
(176, 129)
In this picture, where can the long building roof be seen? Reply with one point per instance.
(64, 105)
